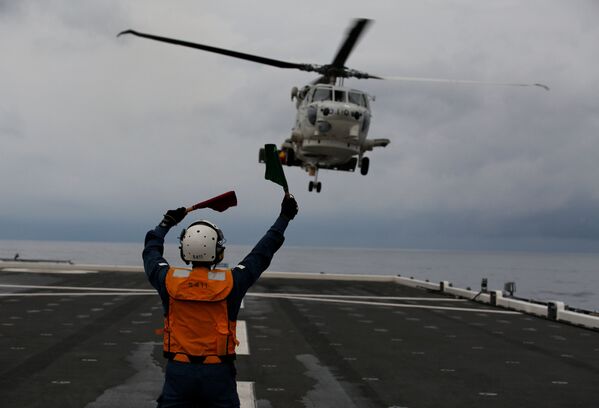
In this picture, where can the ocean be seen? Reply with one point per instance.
(569, 277)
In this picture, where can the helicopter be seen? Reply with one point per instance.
(332, 121)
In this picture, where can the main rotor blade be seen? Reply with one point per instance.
(459, 81)
(229, 53)
(352, 38)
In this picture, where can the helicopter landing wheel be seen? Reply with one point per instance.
(290, 159)
(315, 185)
(364, 164)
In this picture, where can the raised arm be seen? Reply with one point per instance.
(155, 265)
(249, 270)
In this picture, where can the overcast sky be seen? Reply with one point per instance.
(100, 135)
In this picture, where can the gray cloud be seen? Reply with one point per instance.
(11, 125)
(109, 125)
(9, 8)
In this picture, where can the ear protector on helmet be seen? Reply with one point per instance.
(202, 242)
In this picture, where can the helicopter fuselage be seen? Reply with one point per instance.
(330, 130)
(331, 124)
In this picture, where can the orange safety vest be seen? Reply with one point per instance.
(197, 327)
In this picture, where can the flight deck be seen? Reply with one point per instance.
(74, 337)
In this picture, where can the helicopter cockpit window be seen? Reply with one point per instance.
(322, 94)
(339, 96)
(357, 98)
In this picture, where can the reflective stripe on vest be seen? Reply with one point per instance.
(197, 323)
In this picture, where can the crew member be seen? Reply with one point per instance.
(201, 305)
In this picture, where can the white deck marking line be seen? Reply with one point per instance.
(242, 335)
(247, 398)
(76, 288)
(435, 299)
(58, 271)
(78, 294)
(359, 302)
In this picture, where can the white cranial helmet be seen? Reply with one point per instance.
(203, 242)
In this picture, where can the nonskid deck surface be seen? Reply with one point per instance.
(310, 343)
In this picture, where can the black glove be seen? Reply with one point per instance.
(289, 207)
(173, 217)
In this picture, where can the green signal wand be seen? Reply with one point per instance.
(274, 169)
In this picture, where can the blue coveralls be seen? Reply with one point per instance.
(188, 385)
